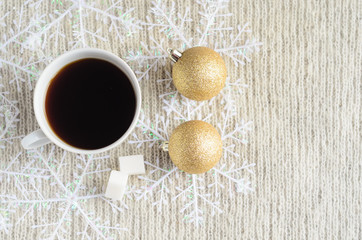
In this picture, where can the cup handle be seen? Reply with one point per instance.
(34, 140)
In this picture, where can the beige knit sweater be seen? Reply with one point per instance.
(303, 96)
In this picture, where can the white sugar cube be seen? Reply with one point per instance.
(132, 164)
(117, 185)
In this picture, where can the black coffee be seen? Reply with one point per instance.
(90, 103)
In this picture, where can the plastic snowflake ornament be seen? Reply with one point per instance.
(164, 182)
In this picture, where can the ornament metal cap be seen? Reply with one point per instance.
(174, 54)
(164, 146)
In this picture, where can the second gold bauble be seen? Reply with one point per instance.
(199, 74)
(195, 146)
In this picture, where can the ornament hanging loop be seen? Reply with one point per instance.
(174, 54)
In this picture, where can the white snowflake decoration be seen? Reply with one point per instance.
(167, 183)
(33, 37)
(9, 116)
(118, 20)
(43, 169)
(175, 26)
(193, 189)
(34, 171)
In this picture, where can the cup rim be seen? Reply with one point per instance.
(54, 67)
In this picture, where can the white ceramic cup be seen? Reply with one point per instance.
(45, 134)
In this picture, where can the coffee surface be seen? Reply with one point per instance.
(90, 103)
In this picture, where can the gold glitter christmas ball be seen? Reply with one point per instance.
(195, 146)
(199, 74)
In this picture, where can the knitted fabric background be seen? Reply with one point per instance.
(303, 97)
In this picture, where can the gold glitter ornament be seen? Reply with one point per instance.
(195, 146)
(199, 73)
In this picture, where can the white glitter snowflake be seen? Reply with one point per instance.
(74, 189)
(9, 117)
(33, 38)
(164, 183)
(176, 26)
(118, 20)
(73, 182)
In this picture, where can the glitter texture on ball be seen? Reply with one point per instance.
(199, 74)
(195, 146)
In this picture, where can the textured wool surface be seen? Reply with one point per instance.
(304, 97)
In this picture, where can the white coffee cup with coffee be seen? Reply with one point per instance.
(47, 133)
